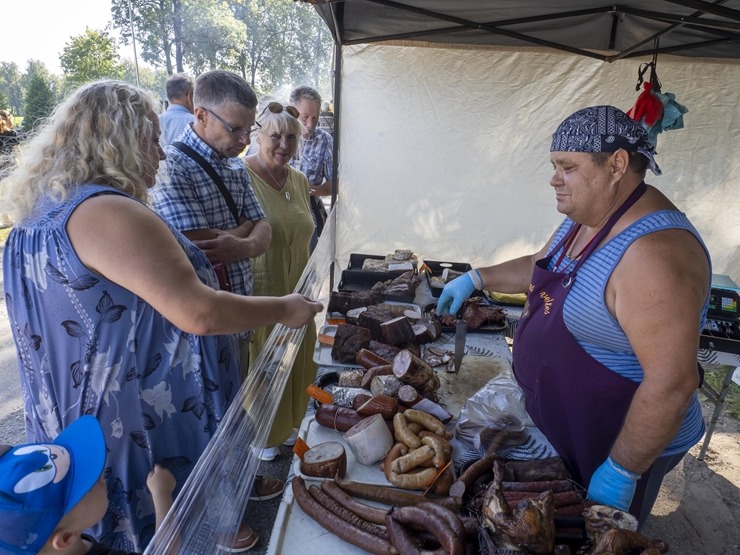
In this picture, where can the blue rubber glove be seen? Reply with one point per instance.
(454, 294)
(613, 485)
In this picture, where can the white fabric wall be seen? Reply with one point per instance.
(445, 151)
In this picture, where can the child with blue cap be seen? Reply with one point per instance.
(50, 493)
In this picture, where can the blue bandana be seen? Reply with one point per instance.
(603, 129)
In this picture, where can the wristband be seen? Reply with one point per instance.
(476, 278)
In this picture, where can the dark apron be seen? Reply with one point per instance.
(577, 402)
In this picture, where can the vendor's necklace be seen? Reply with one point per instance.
(280, 185)
(567, 247)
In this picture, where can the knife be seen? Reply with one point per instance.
(461, 333)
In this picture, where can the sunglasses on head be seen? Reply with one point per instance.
(276, 108)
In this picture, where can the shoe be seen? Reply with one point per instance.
(266, 487)
(269, 453)
(290, 442)
(245, 539)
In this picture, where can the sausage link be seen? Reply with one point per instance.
(451, 542)
(371, 514)
(346, 515)
(391, 496)
(402, 432)
(344, 530)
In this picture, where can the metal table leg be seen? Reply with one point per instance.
(718, 398)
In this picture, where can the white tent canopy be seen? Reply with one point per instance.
(444, 149)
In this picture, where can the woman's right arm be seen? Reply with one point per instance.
(127, 243)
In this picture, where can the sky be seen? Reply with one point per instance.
(39, 29)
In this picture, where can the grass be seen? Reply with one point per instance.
(714, 377)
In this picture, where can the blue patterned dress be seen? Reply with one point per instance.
(88, 346)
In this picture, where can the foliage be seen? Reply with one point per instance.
(4, 102)
(271, 43)
(89, 57)
(714, 376)
(154, 29)
(11, 86)
(151, 80)
(213, 36)
(39, 102)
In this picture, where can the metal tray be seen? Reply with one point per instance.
(314, 433)
(436, 267)
(322, 352)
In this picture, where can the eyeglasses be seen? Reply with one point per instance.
(238, 132)
(276, 108)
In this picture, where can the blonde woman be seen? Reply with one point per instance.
(113, 313)
(283, 194)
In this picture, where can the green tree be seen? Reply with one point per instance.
(4, 103)
(151, 80)
(89, 57)
(157, 30)
(286, 44)
(39, 102)
(11, 86)
(213, 35)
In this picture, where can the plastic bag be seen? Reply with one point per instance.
(498, 405)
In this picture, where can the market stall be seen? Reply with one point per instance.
(375, 379)
(443, 119)
(444, 113)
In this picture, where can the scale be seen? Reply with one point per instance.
(722, 329)
(720, 343)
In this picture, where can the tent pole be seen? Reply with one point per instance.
(337, 70)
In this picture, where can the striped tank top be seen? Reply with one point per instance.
(598, 333)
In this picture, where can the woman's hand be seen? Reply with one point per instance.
(299, 310)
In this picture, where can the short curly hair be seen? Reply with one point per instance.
(100, 134)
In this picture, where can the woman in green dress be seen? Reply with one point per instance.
(283, 193)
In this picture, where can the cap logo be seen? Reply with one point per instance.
(52, 466)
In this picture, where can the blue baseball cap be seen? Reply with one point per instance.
(42, 482)
(603, 129)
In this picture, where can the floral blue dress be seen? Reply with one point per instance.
(88, 346)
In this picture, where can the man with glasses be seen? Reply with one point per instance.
(209, 198)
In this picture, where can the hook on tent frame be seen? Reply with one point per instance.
(652, 66)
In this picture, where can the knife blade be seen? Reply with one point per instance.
(461, 333)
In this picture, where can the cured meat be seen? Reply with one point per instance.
(343, 301)
(397, 331)
(529, 527)
(348, 341)
(476, 313)
(403, 285)
(383, 350)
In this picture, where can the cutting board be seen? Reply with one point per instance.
(475, 372)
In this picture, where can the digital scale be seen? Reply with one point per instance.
(722, 329)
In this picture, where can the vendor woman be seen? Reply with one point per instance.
(606, 347)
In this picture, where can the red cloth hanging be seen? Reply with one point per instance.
(648, 108)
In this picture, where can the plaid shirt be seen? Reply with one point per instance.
(191, 200)
(316, 157)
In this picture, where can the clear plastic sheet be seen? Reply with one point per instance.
(208, 511)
